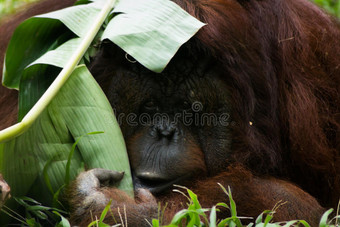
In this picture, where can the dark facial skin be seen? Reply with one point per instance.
(170, 121)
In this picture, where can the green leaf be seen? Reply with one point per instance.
(31, 79)
(212, 221)
(37, 35)
(151, 31)
(232, 203)
(59, 56)
(232, 221)
(290, 223)
(179, 216)
(155, 223)
(268, 225)
(324, 218)
(259, 218)
(64, 222)
(34, 82)
(268, 218)
(52, 136)
(68, 163)
(55, 201)
(46, 177)
(304, 223)
(194, 199)
(77, 18)
(31, 222)
(106, 209)
(30, 40)
(223, 205)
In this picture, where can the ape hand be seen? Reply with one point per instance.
(89, 182)
(93, 190)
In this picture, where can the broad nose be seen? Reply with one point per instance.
(165, 130)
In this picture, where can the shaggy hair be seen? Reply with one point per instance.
(281, 61)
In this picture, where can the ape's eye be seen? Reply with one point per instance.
(150, 105)
(186, 105)
(129, 58)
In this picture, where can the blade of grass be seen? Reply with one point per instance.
(68, 164)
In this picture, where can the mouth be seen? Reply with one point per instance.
(157, 185)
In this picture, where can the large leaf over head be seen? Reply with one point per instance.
(151, 31)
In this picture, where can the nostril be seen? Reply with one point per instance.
(168, 133)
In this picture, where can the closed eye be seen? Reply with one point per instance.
(150, 106)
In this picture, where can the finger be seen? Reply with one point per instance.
(145, 196)
(4, 191)
(106, 176)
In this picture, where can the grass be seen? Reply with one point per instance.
(197, 216)
(193, 216)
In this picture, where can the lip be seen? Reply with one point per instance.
(156, 187)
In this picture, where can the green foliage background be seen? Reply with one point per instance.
(10, 6)
(333, 6)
